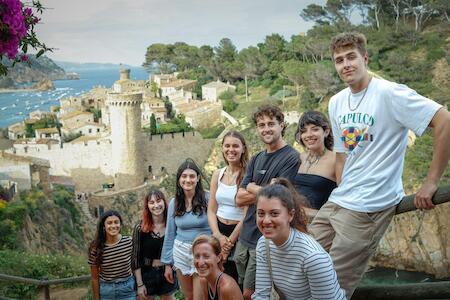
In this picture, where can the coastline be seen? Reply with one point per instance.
(5, 91)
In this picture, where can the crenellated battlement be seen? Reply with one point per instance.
(124, 99)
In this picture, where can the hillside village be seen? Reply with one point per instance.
(102, 137)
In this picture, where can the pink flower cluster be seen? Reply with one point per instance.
(15, 20)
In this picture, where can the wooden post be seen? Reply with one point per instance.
(442, 195)
(246, 89)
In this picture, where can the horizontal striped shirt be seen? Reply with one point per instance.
(301, 269)
(116, 262)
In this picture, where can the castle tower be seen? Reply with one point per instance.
(125, 118)
(124, 74)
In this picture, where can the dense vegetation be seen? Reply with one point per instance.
(58, 223)
(408, 42)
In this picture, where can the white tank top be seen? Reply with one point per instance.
(226, 205)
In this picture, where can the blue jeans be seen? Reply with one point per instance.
(119, 289)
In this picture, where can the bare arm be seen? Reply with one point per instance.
(441, 154)
(237, 230)
(229, 290)
(247, 196)
(141, 289)
(212, 211)
(95, 282)
(340, 161)
(212, 205)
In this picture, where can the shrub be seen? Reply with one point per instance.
(229, 105)
(227, 95)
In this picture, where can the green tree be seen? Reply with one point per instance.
(253, 62)
(226, 51)
(153, 128)
(273, 47)
(162, 55)
(296, 71)
(154, 88)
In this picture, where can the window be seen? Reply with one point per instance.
(90, 130)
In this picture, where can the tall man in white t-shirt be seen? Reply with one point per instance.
(370, 121)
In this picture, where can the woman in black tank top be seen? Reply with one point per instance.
(148, 239)
(208, 262)
(316, 177)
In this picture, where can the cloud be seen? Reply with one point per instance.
(120, 31)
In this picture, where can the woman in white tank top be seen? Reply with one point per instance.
(224, 217)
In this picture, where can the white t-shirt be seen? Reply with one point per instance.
(374, 136)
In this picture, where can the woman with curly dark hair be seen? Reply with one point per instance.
(186, 219)
(148, 239)
(316, 177)
(110, 260)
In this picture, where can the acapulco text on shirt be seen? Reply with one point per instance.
(355, 135)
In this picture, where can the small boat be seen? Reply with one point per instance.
(3, 108)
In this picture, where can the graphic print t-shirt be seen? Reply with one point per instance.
(374, 136)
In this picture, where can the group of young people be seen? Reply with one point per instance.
(250, 235)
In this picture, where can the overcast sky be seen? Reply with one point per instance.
(119, 31)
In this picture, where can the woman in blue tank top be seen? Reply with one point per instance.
(316, 177)
(224, 217)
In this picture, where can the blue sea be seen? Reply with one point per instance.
(16, 106)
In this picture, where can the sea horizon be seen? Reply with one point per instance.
(15, 106)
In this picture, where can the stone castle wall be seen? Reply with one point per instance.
(172, 149)
(90, 163)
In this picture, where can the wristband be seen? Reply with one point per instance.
(140, 285)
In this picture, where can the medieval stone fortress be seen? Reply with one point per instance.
(87, 151)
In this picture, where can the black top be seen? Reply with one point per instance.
(315, 187)
(216, 293)
(260, 170)
(147, 246)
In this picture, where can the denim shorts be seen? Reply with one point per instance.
(155, 282)
(119, 289)
(182, 258)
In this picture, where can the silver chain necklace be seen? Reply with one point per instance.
(313, 159)
(360, 100)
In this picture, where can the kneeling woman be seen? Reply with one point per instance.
(208, 262)
(110, 260)
(148, 238)
(186, 219)
(286, 255)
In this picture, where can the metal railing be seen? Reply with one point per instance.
(44, 284)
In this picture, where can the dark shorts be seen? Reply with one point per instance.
(229, 266)
(155, 282)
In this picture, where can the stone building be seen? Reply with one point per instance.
(16, 131)
(126, 153)
(47, 133)
(212, 90)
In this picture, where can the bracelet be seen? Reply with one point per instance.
(140, 285)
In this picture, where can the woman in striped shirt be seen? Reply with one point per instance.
(110, 260)
(300, 267)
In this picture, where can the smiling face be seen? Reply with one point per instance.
(188, 180)
(351, 66)
(156, 206)
(205, 260)
(273, 219)
(269, 129)
(313, 137)
(232, 150)
(112, 226)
